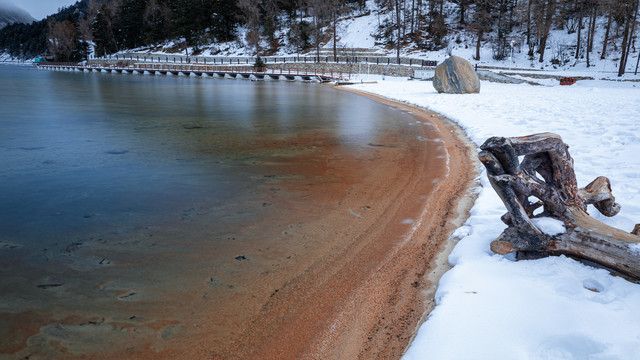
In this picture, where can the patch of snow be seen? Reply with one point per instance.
(461, 232)
(494, 308)
(549, 226)
(356, 33)
(635, 249)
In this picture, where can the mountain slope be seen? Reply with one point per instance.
(10, 14)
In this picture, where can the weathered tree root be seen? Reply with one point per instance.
(545, 178)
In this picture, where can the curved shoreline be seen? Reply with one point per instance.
(452, 199)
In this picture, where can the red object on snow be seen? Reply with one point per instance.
(567, 81)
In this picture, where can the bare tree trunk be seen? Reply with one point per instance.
(413, 13)
(579, 33)
(632, 32)
(430, 12)
(592, 32)
(463, 5)
(529, 23)
(316, 26)
(588, 50)
(418, 14)
(480, 33)
(398, 25)
(625, 38)
(606, 34)
(543, 44)
(550, 9)
(499, 24)
(335, 47)
(511, 11)
(404, 18)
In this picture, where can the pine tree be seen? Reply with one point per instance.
(103, 32)
(130, 23)
(157, 21)
(224, 19)
(188, 19)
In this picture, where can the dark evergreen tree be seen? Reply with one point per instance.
(223, 20)
(269, 24)
(103, 35)
(190, 18)
(80, 50)
(130, 24)
(157, 21)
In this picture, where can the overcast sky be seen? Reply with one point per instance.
(39, 9)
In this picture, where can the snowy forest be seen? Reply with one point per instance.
(266, 27)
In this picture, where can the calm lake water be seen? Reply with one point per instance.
(85, 151)
(94, 165)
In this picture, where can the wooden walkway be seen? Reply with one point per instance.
(234, 72)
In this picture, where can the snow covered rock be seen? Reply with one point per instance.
(456, 76)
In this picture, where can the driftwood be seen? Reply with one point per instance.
(536, 171)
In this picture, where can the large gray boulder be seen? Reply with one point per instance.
(456, 76)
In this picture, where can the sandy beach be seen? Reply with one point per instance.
(351, 276)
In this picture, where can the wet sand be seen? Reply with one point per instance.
(352, 276)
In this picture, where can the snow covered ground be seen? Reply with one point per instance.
(492, 307)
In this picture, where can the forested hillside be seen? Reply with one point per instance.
(287, 26)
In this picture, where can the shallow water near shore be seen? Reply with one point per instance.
(130, 203)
